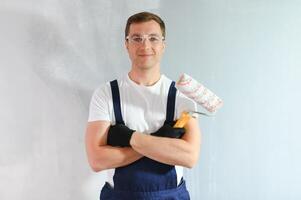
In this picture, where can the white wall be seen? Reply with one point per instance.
(54, 53)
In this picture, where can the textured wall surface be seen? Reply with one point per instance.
(54, 53)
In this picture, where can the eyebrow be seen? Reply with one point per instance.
(152, 34)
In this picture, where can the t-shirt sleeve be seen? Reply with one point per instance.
(99, 105)
(185, 104)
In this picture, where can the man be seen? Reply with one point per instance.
(130, 130)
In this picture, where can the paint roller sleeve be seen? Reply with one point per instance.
(199, 93)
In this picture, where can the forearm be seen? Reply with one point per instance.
(166, 150)
(108, 157)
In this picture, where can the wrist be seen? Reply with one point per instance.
(133, 138)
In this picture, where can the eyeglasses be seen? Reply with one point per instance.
(139, 39)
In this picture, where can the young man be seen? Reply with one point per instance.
(130, 130)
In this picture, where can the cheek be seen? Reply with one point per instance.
(132, 54)
(130, 51)
(160, 51)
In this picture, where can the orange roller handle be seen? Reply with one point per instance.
(185, 116)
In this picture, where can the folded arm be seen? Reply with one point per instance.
(102, 156)
(184, 151)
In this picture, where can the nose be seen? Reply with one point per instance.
(146, 43)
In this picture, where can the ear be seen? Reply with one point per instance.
(126, 44)
(163, 46)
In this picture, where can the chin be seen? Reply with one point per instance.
(146, 66)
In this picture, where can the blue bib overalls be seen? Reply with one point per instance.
(145, 179)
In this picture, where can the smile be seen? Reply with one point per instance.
(145, 55)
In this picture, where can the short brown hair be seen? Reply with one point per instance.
(144, 17)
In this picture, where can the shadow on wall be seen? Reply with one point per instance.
(44, 113)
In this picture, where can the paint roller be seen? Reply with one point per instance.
(198, 93)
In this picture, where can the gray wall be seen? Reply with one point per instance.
(54, 53)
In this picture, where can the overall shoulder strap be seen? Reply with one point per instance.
(116, 102)
(171, 100)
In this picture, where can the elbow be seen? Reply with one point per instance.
(96, 161)
(96, 166)
(190, 165)
(191, 161)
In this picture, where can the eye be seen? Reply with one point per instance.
(137, 39)
(154, 39)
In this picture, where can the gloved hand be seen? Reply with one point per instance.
(168, 131)
(119, 135)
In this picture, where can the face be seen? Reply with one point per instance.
(145, 55)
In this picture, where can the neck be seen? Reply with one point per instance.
(145, 77)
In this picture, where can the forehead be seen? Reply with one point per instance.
(150, 27)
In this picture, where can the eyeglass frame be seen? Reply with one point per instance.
(144, 37)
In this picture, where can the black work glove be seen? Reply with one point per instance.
(168, 131)
(119, 135)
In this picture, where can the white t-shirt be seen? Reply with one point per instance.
(143, 108)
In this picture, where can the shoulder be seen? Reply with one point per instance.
(166, 80)
(104, 89)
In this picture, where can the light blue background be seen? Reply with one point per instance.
(53, 54)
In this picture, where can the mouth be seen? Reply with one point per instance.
(145, 55)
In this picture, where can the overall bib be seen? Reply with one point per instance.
(145, 179)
